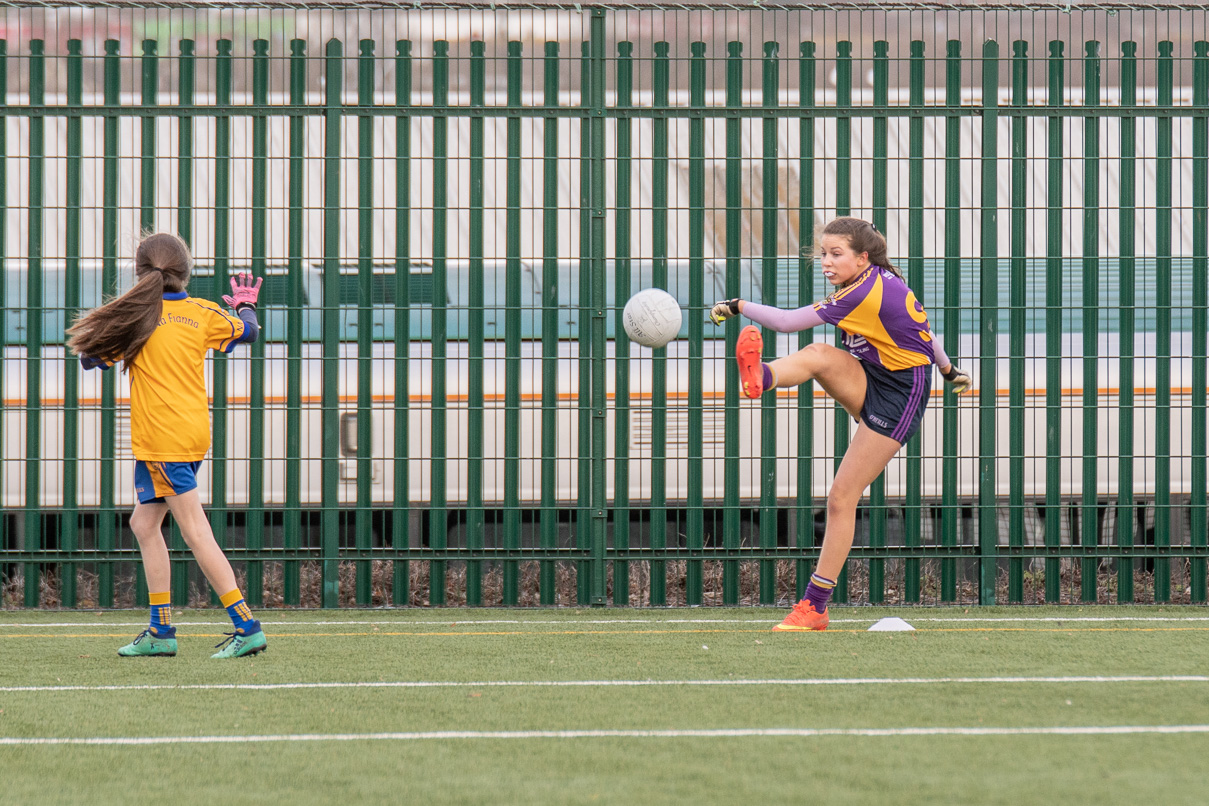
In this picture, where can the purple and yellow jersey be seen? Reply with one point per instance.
(883, 322)
(169, 407)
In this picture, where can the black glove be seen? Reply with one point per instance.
(959, 380)
(724, 309)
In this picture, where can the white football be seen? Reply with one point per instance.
(651, 317)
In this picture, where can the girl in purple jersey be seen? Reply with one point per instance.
(883, 378)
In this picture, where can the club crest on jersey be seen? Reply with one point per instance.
(854, 341)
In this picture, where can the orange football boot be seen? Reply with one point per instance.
(802, 618)
(748, 350)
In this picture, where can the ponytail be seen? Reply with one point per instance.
(121, 327)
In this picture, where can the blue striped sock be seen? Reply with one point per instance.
(241, 615)
(161, 615)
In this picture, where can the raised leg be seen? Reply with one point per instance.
(837, 371)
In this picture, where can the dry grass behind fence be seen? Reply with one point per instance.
(382, 581)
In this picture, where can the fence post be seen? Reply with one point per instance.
(843, 207)
(333, 63)
(149, 65)
(659, 278)
(950, 518)
(254, 517)
(401, 512)
(877, 490)
(108, 516)
(1053, 327)
(769, 511)
(1163, 249)
(291, 537)
(222, 265)
(804, 537)
(365, 318)
(622, 265)
(731, 523)
(184, 219)
(694, 582)
(33, 324)
(913, 511)
(988, 522)
(69, 540)
(550, 315)
(512, 330)
(1018, 296)
(596, 125)
(583, 412)
(1127, 272)
(474, 348)
(1090, 520)
(437, 514)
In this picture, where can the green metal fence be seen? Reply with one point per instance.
(451, 205)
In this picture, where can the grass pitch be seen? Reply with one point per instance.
(978, 706)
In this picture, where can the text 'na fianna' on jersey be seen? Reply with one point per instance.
(169, 407)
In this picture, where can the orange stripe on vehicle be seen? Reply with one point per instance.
(312, 400)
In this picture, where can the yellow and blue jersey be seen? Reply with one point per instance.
(169, 406)
(882, 321)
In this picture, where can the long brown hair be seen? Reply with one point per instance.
(121, 327)
(863, 237)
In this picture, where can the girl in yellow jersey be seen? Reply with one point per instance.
(883, 378)
(162, 335)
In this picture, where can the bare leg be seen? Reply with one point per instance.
(866, 457)
(195, 528)
(837, 371)
(145, 522)
(841, 376)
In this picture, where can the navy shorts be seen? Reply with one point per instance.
(153, 481)
(895, 399)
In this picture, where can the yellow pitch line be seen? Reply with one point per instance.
(502, 633)
(386, 633)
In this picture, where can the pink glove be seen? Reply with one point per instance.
(243, 292)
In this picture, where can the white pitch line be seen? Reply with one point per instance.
(573, 622)
(822, 681)
(1089, 730)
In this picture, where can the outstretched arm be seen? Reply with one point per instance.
(244, 294)
(959, 379)
(939, 356)
(251, 325)
(778, 319)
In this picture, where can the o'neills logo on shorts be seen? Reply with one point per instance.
(878, 421)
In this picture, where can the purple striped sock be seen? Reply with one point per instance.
(767, 376)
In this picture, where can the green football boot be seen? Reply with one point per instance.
(239, 645)
(149, 645)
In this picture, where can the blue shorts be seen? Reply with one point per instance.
(155, 481)
(895, 399)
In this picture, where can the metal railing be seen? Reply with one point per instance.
(1055, 226)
